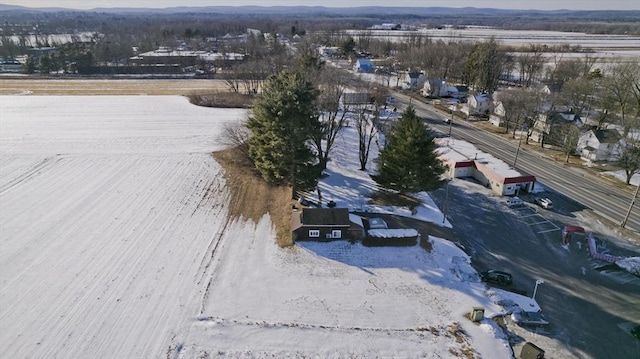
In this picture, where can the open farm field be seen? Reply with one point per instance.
(30, 86)
(116, 243)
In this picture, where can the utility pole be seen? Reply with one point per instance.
(633, 200)
(451, 122)
(517, 151)
(446, 197)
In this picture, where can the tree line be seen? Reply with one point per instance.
(298, 115)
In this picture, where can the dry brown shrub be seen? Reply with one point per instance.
(252, 197)
(222, 99)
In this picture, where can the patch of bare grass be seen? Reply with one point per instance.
(386, 198)
(252, 197)
(222, 99)
(34, 85)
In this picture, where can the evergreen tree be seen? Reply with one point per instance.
(408, 162)
(284, 120)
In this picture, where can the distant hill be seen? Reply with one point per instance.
(376, 11)
(602, 22)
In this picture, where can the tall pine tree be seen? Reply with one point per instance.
(284, 120)
(409, 162)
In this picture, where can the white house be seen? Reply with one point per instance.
(497, 117)
(434, 87)
(600, 145)
(412, 80)
(545, 122)
(479, 104)
(327, 51)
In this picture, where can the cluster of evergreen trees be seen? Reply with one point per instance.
(286, 121)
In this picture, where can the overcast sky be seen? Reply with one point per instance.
(498, 4)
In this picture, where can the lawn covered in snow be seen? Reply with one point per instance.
(114, 243)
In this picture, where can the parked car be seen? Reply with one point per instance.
(515, 202)
(496, 276)
(529, 318)
(544, 202)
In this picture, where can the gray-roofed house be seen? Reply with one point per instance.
(600, 145)
(322, 224)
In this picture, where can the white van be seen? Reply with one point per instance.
(515, 202)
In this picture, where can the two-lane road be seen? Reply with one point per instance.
(609, 202)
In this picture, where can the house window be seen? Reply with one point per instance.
(336, 233)
(314, 233)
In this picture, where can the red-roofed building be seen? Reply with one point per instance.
(487, 170)
(500, 183)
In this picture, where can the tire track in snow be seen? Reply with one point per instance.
(30, 172)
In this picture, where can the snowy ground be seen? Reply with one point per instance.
(114, 243)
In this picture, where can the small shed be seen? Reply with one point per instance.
(322, 224)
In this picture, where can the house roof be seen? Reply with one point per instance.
(325, 216)
(607, 136)
(460, 154)
(356, 98)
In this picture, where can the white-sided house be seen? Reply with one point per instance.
(363, 64)
(434, 87)
(600, 145)
(465, 160)
(412, 79)
(479, 104)
(497, 117)
(546, 121)
(328, 51)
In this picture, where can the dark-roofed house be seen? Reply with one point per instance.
(600, 145)
(349, 99)
(323, 224)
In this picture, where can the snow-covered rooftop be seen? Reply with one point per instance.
(459, 151)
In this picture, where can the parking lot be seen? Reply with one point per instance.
(576, 296)
(530, 216)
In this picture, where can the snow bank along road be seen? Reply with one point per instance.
(114, 243)
(108, 207)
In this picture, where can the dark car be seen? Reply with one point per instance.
(529, 318)
(496, 276)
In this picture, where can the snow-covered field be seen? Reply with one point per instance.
(114, 243)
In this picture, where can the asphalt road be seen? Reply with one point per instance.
(611, 203)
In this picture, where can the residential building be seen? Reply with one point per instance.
(323, 224)
(600, 145)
